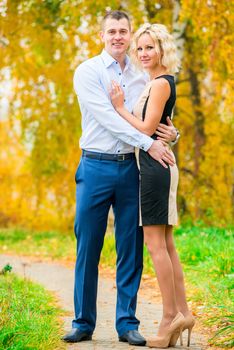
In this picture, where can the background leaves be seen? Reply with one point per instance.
(42, 42)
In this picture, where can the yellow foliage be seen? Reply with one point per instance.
(42, 42)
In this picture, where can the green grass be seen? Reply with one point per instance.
(29, 317)
(45, 244)
(207, 255)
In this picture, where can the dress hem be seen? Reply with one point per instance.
(159, 223)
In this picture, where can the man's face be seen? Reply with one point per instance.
(116, 36)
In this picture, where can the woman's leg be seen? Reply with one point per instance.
(155, 239)
(178, 272)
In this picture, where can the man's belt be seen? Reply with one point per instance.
(108, 156)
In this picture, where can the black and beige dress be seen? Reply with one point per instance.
(158, 187)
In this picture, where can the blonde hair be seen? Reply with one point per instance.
(164, 45)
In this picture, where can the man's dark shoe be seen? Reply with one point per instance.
(133, 338)
(76, 336)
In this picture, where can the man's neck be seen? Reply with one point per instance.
(121, 59)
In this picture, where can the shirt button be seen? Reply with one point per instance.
(116, 62)
(123, 85)
(118, 151)
(119, 73)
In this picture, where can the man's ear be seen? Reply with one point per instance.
(101, 34)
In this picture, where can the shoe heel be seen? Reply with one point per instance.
(181, 338)
(189, 335)
(89, 337)
(175, 336)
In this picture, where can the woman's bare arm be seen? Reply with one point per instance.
(159, 94)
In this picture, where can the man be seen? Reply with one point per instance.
(108, 176)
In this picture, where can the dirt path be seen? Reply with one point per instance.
(59, 279)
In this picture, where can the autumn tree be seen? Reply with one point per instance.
(42, 42)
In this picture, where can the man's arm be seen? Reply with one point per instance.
(93, 97)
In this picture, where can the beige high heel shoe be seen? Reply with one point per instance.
(175, 336)
(173, 333)
(189, 322)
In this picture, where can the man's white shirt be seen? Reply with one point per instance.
(103, 129)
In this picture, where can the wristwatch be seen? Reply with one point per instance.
(172, 143)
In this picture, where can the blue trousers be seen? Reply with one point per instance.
(100, 184)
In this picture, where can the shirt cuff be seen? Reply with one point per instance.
(145, 143)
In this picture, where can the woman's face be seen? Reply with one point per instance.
(146, 52)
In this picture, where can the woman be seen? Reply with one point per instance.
(154, 50)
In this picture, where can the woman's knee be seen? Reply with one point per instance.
(170, 240)
(150, 246)
(155, 240)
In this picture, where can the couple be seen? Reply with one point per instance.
(108, 88)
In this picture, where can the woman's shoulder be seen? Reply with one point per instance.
(160, 85)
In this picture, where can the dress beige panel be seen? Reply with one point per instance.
(138, 109)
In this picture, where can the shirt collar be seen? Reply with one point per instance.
(109, 60)
(127, 62)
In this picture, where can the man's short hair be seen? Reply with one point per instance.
(115, 15)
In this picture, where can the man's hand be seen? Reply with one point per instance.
(161, 153)
(166, 133)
